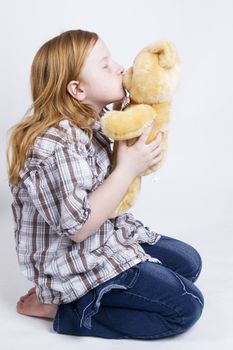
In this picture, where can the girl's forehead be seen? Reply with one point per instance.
(94, 58)
(99, 51)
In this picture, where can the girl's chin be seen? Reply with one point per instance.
(122, 95)
(118, 97)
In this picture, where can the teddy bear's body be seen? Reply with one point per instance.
(151, 84)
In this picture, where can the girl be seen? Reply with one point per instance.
(93, 275)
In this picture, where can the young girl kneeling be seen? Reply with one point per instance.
(93, 275)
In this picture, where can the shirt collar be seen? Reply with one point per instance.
(97, 125)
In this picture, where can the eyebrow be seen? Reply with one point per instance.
(103, 58)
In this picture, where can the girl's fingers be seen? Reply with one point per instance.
(156, 142)
(158, 158)
(156, 149)
(146, 131)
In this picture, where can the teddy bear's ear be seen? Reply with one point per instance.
(127, 79)
(166, 52)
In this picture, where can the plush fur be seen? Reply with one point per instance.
(151, 83)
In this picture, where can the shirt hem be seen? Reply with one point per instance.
(74, 295)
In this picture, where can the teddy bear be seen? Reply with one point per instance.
(150, 85)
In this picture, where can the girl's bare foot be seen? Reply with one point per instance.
(29, 305)
(32, 290)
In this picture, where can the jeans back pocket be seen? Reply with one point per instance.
(88, 305)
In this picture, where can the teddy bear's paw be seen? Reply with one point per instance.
(127, 124)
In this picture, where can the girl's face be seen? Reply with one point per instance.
(100, 79)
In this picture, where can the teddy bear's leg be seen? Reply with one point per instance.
(129, 199)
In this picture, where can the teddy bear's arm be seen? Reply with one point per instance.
(124, 125)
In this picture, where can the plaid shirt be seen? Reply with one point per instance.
(50, 204)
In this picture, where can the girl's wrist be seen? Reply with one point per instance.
(125, 172)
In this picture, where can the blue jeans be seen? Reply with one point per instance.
(147, 301)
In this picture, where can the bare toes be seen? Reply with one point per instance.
(31, 291)
(19, 307)
(23, 298)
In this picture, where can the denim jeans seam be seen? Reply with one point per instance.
(196, 275)
(135, 278)
(188, 293)
(78, 315)
(130, 285)
(90, 314)
(193, 277)
(93, 312)
(83, 313)
(198, 270)
(158, 302)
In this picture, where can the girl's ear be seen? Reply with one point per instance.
(76, 90)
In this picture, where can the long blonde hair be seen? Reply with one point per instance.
(57, 62)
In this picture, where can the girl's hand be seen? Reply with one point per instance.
(139, 157)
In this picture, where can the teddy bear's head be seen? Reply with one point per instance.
(155, 74)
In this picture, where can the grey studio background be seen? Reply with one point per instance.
(189, 198)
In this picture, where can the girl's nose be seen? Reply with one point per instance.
(117, 68)
(120, 70)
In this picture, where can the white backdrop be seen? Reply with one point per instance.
(190, 198)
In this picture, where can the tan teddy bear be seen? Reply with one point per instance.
(150, 84)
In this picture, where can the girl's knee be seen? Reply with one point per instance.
(196, 265)
(193, 316)
(192, 261)
(192, 307)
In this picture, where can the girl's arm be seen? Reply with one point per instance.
(131, 162)
(103, 201)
